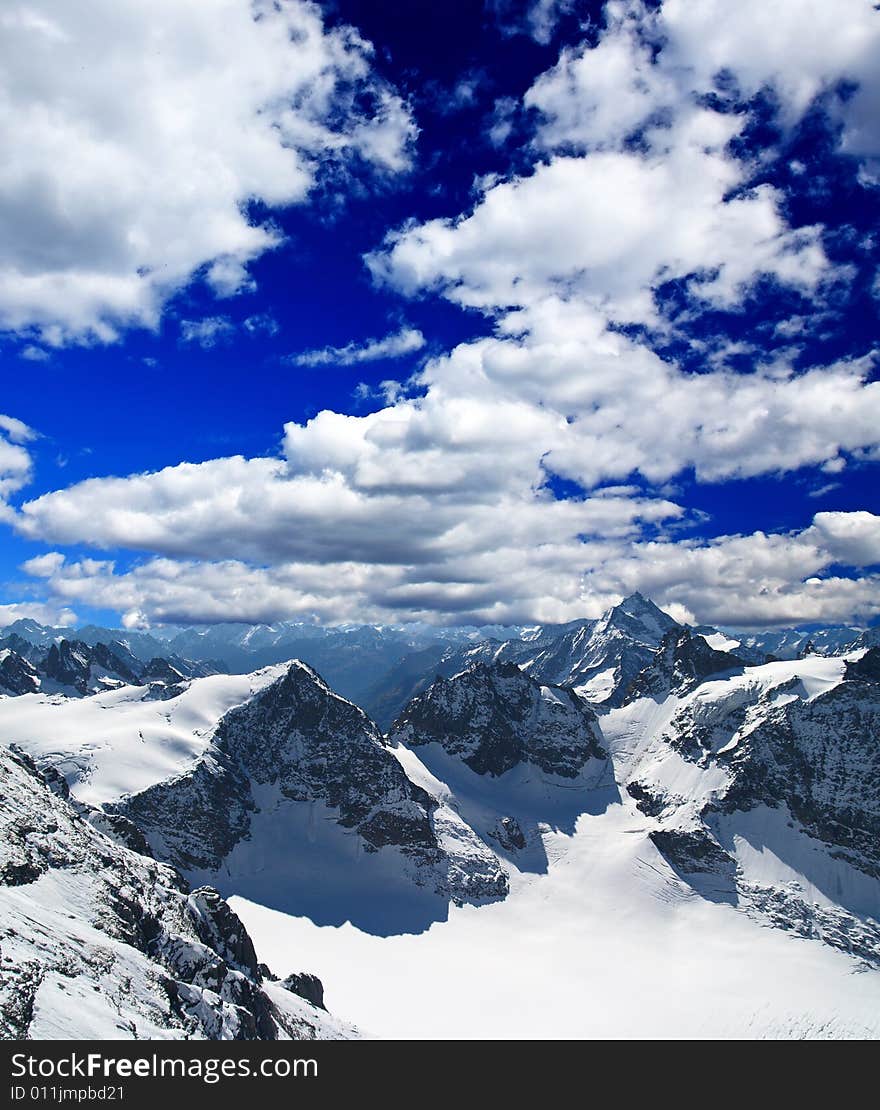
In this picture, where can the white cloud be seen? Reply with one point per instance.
(15, 460)
(31, 353)
(620, 408)
(403, 342)
(37, 611)
(544, 15)
(44, 566)
(851, 538)
(597, 96)
(135, 136)
(16, 430)
(416, 490)
(604, 222)
(229, 276)
(207, 332)
(651, 61)
(605, 229)
(745, 580)
(800, 48)
(441, 506)
(749, 580)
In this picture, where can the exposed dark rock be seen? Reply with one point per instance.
(509, 834)
(17, 675)
(160, 670)
(694, 852)
(494, 717)
(821, 758)
(306, 986)
(867, 668)
(680, 664)
(221, 929)
(86, 669)
(649, 802)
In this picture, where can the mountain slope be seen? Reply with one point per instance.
(605, 941)
(764, 790)
(124, 740)
(100, 941)
(298, 783)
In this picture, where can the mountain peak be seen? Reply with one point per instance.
(639, 618)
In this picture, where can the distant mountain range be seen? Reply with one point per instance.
(381, 667)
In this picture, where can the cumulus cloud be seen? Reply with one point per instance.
(441, 506)
(420, 501)
(15, 459)
(403, 342)
(604, 220)
(800, 49)
(605, 229)
(44, 566)
(745, 580)
(426, 509)
(150, 127)
(851, 538)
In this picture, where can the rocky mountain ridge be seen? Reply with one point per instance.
(75, 668)
(292, 750)
(495, 716)
(785, 762)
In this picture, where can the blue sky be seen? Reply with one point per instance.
(515, 310)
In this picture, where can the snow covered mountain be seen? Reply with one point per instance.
(297, 796)
(17, 674)
(764, 789)
(77, 669)
(682, 661)
(620, 809)
(599, 658)
(494, 717)
(790, 643)
(728, 889)
(97, 940)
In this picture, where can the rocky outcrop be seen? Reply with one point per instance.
(494, 717)
(100, 941)
(866, 668)
(680, 664)
(76, 668)
(85, 669)
(17, 675)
